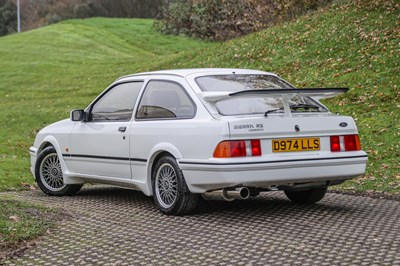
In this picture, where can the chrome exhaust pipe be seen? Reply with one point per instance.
(237, 193)
(228, 194)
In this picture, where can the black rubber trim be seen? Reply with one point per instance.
(33, 151)
(138, 160)
(281, 161)
(105, 157)
(289, 91)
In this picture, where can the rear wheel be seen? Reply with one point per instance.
(311, 195)
(170, 192)
(49, 176)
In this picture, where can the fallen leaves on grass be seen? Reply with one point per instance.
(14, 218)
(27, 185)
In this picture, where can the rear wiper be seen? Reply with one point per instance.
(295, 107)
(273, 111)
(303, 105)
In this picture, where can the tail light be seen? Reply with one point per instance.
(352, 143)
(238, 148)
(345, 143)
(335, 143)
(255, 147)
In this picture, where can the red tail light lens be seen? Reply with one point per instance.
(352, 143)
(335, 143)
(238, 148)
(255, 147)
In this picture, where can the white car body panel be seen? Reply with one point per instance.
(205, 176)
(98, 139)
(97, 152)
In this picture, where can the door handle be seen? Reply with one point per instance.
(122, 129)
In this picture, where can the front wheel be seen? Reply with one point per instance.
(311, 195)
(170, 192)
(49, 176)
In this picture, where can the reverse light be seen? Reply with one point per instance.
(345, 143)
(238, 148)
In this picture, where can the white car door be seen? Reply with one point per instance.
(100, 146)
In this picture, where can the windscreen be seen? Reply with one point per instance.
(254, 105)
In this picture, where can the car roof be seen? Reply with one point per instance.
(200, 71)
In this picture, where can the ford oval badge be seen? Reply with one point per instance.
(343, 124)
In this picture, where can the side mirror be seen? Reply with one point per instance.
(77, 115)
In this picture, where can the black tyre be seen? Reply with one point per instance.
(311, 195)
(170, 192)
(49, 176)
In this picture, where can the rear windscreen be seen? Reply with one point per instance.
(250, 104)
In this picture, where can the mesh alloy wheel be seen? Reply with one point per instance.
(51, 173)
(166, 185)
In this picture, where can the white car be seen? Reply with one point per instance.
(178, 135)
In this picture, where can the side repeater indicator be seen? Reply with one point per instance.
(343, 124)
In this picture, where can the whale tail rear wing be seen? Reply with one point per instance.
(319, 93)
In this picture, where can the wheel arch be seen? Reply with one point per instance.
(52, 141)
(160, 150)
(44, 145)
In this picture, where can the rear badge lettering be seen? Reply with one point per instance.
(249, 127)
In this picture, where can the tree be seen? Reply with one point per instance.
(8, 17)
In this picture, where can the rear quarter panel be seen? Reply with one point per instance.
(183, 139)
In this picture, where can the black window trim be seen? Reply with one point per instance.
(90, 107)
(165, 118)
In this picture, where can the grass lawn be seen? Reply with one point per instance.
(21, 221)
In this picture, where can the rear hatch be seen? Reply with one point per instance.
(292, 122)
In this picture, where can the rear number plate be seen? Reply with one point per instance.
(292, 145)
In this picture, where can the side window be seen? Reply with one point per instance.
(165, 100)
(117, 104)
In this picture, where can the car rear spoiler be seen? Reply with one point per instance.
(284, 93)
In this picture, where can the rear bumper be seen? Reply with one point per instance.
(206, 175)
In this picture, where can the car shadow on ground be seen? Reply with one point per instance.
(268, 203)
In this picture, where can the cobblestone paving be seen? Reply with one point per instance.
(112, 226)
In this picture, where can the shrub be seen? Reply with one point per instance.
(226, 19)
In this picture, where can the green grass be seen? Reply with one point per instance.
(47, 72)
(21, 221)
(354, 45)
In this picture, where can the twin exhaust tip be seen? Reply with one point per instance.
(228, 194)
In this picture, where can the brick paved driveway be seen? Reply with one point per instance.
(120, 227)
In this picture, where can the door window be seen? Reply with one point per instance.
(165, 100)
(117, 104)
